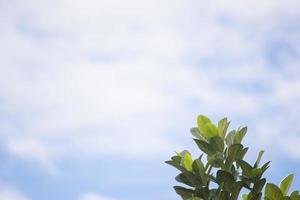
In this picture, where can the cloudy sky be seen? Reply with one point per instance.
(96, 94)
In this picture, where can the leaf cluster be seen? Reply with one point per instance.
(221, 172)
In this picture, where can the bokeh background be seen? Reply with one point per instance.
(96, 94)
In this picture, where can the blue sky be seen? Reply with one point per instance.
(96, 94)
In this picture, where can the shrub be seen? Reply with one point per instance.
(225, 174)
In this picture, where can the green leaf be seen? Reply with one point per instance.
(295, 195)
(188, 178)
(195, 198)
(266, 165)
(272, 192)
(205, 147)
(187, 160)
(286, 183)
(234, 152)
(195, 132)
(236, 189)
(260, 154)
(255, 197)
(177, 158)
(184, 192)
(175, 164)
(222, 127)
(256, 172)
(215, 160)
(209, 130)
(217, 143)
(211, 160)
(246, 168)
(239, 135)
(202, 192)
(202, 120)
(224, 195)
(226, 179)
(206, 128)
(242, 153)
(229, 138)
(258, 186)
(199, 170)
(244, 196)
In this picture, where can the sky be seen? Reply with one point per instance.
(95, 95)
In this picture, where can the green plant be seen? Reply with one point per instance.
(225, 174)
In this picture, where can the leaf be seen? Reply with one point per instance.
(222, 127)
(244, 196)
(226, 179)
(295, 195)
(234, 152)
(217, 143)
(195, 132)
(265, 166)
(177, 158)
(206, 128)
(260, 154)
(256, 197)
(199, 170)
(195, 198)
(205, 147)
(209, 130)
(187, 160)
(256, 172)
(202, 120)
(242, 153)
(215, 160)
(272, 192)
(246, 168)
(202, 192)
(258, 186)
(175, 164)
(286, 183)
(224, 195)
(188, 178)
(236, 189)
(184, 192)
(239, 135)
(229, 138)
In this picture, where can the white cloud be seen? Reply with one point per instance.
(114, 77)
(9, 193)
(92, 196)
(33, 150)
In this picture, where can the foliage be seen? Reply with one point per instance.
(225, 174)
